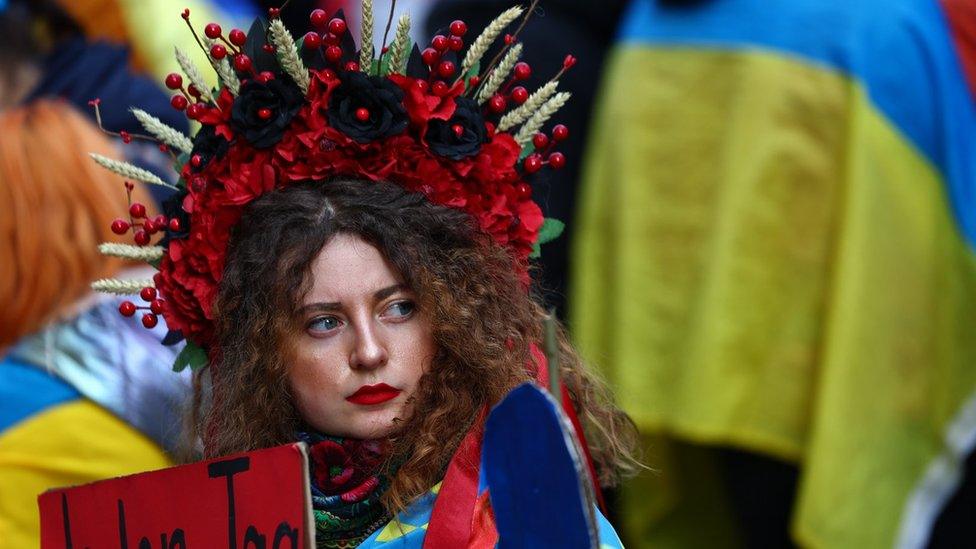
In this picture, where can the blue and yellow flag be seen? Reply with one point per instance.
(775, 251)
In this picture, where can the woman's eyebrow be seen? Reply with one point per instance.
(384, 293)
(378, 295)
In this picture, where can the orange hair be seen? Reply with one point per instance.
(57, 206)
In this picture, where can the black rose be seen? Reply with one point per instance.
(462, 135)
(262, 111)
(173, 209)
(207, 145)
(384, 114)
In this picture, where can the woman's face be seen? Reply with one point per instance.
(363, 343)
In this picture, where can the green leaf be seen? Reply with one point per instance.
(473, 71)
(191, 355)
(527, 150)
(551, 229)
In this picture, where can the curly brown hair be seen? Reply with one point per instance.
(483, 323)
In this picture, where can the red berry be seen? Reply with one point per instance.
(473, 81)
(266, 76)
(185, 14)
(194, 111)
(421, 85)
(192, 90)
(458, 130)
(430, 56)
(242, 63)
(523, 191)
(329, 74)
(137, 210)
(532, 163)
(333, 53)
(520, 95)
(439, 42)
(268, 48)
(156, 306)
(540, 140)
(174, 81)
(163, 147)
(455, 43)
(150, 226)
(312, 40)
(560, 132)
(522, 70)
(273, 13)
(264, 113)
(218, 51)
(557, 160)
(337, 26)
(196, 160)
(160, 221)
(212, 30)
(445, 69)
(150, 320)
(127, 308)
(120, 226)
(568, 62)
(141, 237)
(458, 28)
(440, 88)
(237, 37)
(362, 114)
(509, 39)
(330, 39)
(126, 138)
(352, 66)
(497, 104)
(148, 293)
(317, 17)
(174, 225)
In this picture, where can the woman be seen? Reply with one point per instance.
(347, 258)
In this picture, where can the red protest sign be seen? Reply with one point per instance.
(260, 499)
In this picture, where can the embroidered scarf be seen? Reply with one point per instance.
(346, 488)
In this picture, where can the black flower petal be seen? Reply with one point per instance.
(207, 145)
(382, 99)
(462, 135)
(262, 111)
(173, 209)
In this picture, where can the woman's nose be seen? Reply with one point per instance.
(369, 350)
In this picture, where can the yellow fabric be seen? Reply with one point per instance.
(762, 260)
(66, 445)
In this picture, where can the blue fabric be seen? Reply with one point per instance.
(901, 51)
(26, 390)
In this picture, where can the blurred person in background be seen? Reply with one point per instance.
(774, 262)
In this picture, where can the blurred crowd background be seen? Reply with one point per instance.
(771, 222)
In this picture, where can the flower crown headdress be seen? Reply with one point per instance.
(283, 112)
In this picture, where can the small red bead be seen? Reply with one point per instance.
(439, 42)
(274, 13)
(148, 293)
(265, 76)
(141, 237)
(150, 320)
(337, 26)
(458, 28)
(126, 138)
(362, 114)
(194, 111)
(330, 39)
(318, 17)
(174, 81)
(156, 306)
(458, 130)
(540, 140)
(421, 85)
(127, 308)
(509, 39)
(333, 53)
(445, 69)
(522, 70)
(196, 160)
(523, 191)
(440, 88)
(120, 226)
(268, 48)
(474, 80)
(237, 37)
(163, 147)
(160, 220)
(532, 163)
(264, 113)
(520, 95)
(560, 132)
(212, 30)
(150, 226)
(352, 66)
(218, 51)
(497, 104)
(569, 61)
(137, 210)
(185, 14)
(430, 56)
(557, 160)
(174, 225)
(192, 90)
(242, 63)
(329, 74)
(312, 40)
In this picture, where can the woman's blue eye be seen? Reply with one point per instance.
(402, 308)
(324, 324)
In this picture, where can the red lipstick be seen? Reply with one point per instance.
(368, 395)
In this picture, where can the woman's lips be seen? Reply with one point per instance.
(373, 394)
